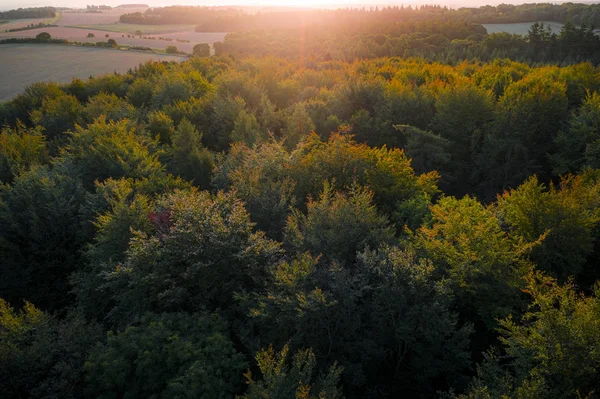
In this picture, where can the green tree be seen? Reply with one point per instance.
(338, 225)
(564, 218)
(577, 145)
(202, 251)
(462, 116)
(20, 150)
(171, 50)
(43, 37)
(385, 320)
(111, 149)
(552, 352)
(42, 356)
(299, 125)
(166, 355)
(260, 176)
(246, 129)
(187, 157)
(161, 126)
(41, 236)
(483, 264)
(296, 378)
(201, 50)
(109, 106)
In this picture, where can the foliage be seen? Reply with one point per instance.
(534, 367)
(171, 355)
(200, 251)
(21, 149)
(294, 379)
(41, 236)
(41, 356)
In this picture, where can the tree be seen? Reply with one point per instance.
(57, 115)
(577, 144)
(41, 236)
(552, 351)
(108, 106)
(111, 43)
(201, 50)
(247, 130)
(160, 126)
(187, 157)
(261, 178)
(338, 225)
(111, 149)
(397, 191)
(166, 355)
(42, 356)
(483, 264)
(171, 50)
(91, 35)
(199, 254)
(43, 37)
(385, 320)
(564, 218)
(299, 125)
(462, 116)
(21, 149)
(298, 378)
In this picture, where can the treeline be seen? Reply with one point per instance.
(294, 19)
(277, 229)
(176, 15)
(576, 13)
(24, 13)
(237, 20)
(450, 42)
(32, 26)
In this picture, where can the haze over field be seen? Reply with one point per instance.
(10, 4)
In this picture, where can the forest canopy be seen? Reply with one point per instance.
(270, 224)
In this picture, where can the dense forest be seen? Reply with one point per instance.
(282, 229)
(309, 217)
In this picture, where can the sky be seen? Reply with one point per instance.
(10, 4)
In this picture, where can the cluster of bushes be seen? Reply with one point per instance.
(270, 228)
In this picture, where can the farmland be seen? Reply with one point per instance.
(75, 26)
(520, 28)
(132, 28)
(80, 35)
(23, 64)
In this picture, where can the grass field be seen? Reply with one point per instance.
(520, 28)
(132, 28)
(24, 64)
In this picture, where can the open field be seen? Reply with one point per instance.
(520, 28)
(132, 28)
(23, 64)
(21, 23)
(80, 35)
(106, 17)
(75, 26)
